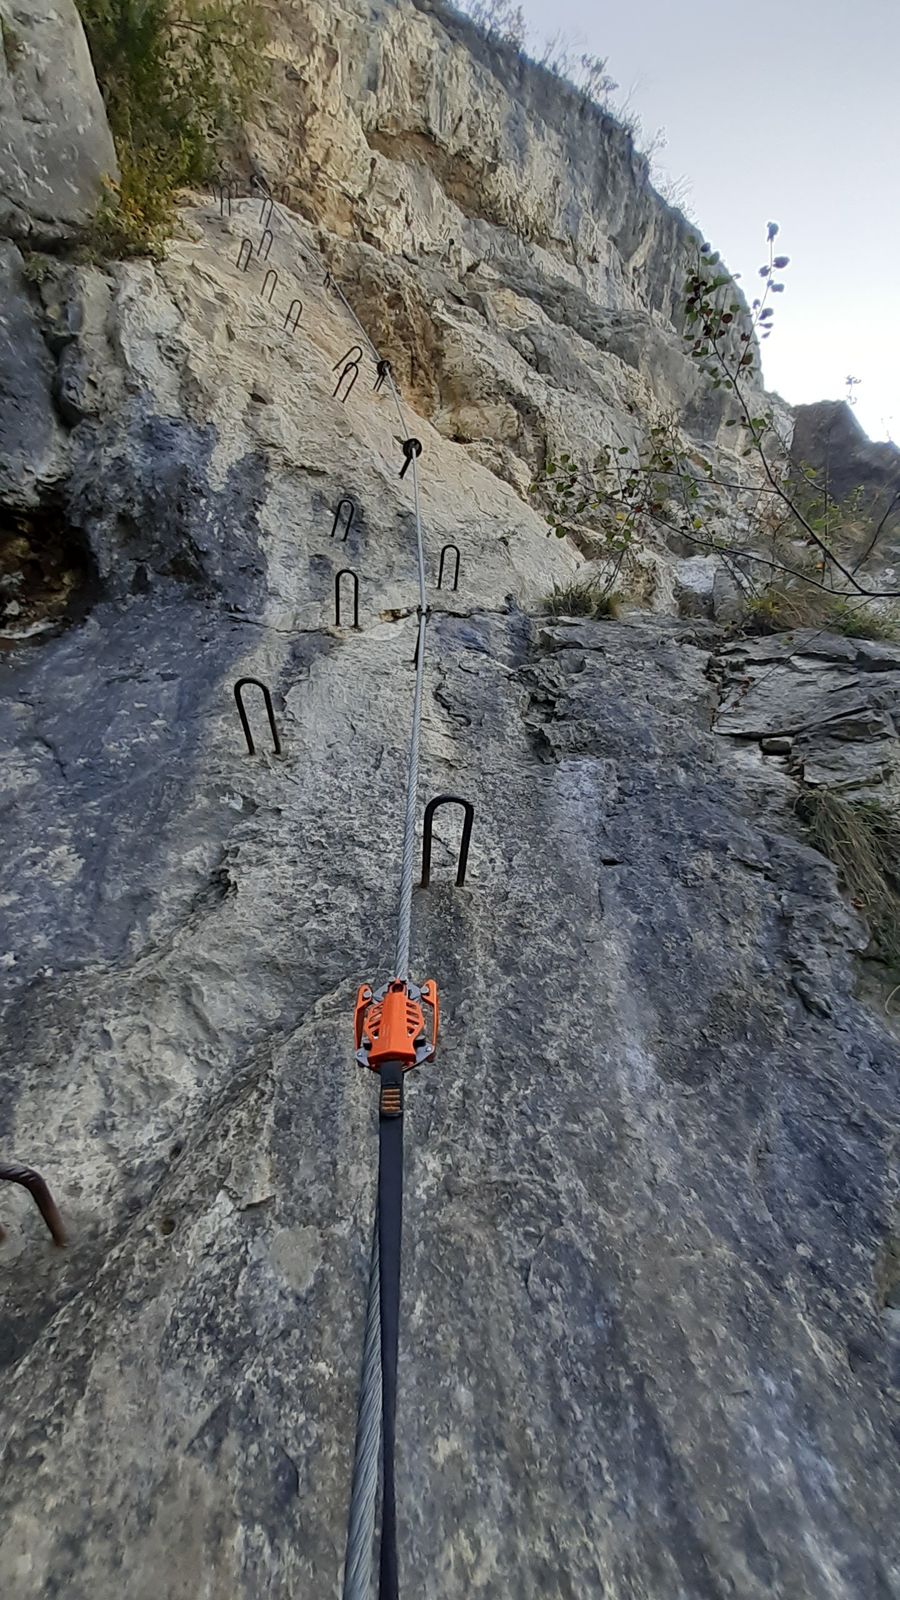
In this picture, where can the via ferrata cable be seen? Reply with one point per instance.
(390, 1038)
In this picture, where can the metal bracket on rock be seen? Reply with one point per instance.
(346, 572)
(469, 818)
(351, 370)
(239, 697)
(444, 552)
(348, 523)
(11, 1172)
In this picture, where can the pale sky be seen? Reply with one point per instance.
(788, 112)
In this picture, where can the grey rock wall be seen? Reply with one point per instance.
(650, 1344)
(55, 143)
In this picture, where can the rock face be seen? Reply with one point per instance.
(651, 1292)
(828, 437)
(835, 700)
(55, 143)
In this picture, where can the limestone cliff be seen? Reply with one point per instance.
(652, 1263)
(55, 145)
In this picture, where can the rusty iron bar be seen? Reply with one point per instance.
(469, 817)
(245, 724)
(346, 572)
(352, 358)
(346, 501)
(455, 584)
(292, 316)
(11, 1172)
(351, 368)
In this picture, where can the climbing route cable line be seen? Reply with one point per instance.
(391, 1038)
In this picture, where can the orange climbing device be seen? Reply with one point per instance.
(390, 1025)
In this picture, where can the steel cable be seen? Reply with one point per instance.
(359, 1562)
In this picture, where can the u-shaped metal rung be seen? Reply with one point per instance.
(226, 195)
(348, 524)
(11, 1172)
(264, 254)
(292, 316)
(469, 818)
(284, 193)
(266, 284)
(455, 549)
(346, 572)
(265, 215)
(354, 357)
(243, 261)
(352, 368)
(239, 697)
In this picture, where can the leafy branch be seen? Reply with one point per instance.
(731, 362)
(177, 76)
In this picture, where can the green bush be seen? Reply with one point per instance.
(135, 215)
(860, 620)
(12, 44)
(782, 605)
(862, 838)
(177, 80)
(582, 597)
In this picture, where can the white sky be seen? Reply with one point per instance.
(789, 112)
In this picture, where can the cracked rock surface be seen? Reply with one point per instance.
(836, 702)
(651, 1287)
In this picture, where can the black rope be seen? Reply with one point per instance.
(390, 1223)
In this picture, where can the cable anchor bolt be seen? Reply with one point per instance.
(410, 448)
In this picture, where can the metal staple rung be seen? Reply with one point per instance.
(348, 522)
(245, 724)
(346, 572)
(468, 819)
(444, 552)
(12, 1172)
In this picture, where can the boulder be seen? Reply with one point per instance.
(55, 143)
